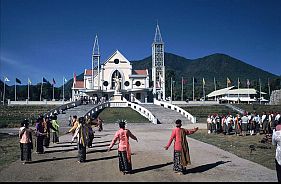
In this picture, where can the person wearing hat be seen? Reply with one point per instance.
(181, 149)
(81, 135)
(25, 139)
(124, 148)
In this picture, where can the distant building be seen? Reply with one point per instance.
(233, 95)
(134, 83)
(99, 81)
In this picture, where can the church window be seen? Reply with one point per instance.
(138, 83)
(116, 61)
(127, 83)
(105, 83)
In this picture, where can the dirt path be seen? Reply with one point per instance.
(151, 162)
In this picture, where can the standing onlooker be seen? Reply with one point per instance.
(237, 122)
(80, 134)
(244, 124)
(209, 124)
(181, 149)
(55, 131)
(40, 135)
(276, 140)
(99, 122)
(124, 149)
(47, 131)
(74, 125)
(26, 145)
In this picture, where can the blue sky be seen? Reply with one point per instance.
(54, 38)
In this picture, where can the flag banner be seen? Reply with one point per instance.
(54, 82)
(203, 81)
(29, 81)
(228, 80)
(6, 79)
(184, 81)
(18, 81)
(248, 82)
(44, 80)
(64, 79)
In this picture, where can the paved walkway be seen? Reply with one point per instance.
(151, 162)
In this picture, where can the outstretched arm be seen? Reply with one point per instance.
(191, 131)
(132, 135)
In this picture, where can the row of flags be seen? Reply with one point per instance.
(44, 80)
(228, 81)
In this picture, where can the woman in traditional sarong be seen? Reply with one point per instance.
(81, 134)
(40, 135)
(55, 129)
(124, 149)
(47, 131)
(25, 136)
(181, 149)
(276, 140)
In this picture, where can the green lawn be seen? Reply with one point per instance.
(263, 154)
(11, 116)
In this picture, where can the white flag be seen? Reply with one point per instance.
(65, 79)
(6, 79)
(29, 81)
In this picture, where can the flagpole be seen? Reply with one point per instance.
(238, 90)
(268, 88)
(248, 91)
(63, 90)
(53, 92)
(182, 89)
(215, 88)
(41, 90)
(227, 90)
(28, 89)
(171, 90)
(4, 91)
(193, 88)
(260, 89)
(15, 91)
(203, 89)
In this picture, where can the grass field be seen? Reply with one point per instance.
(11, 116)
(263, 154)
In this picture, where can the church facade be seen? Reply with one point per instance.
(134, 84)
(100, 82)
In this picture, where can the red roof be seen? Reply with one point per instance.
(89, 72)
(140, 72)
(79, 84)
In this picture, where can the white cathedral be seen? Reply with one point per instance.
(134, 85)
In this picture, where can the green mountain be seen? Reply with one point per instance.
(218, 66)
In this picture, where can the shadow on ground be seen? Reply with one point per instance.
(151, 167)
(205, 167)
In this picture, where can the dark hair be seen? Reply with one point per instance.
(54, 117)
(81, 120)
(25, 122)
(122, 124)
(74, 116)
(178, 123)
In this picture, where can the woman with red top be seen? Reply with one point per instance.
(25, 136)
(181, 149)
(124, 150)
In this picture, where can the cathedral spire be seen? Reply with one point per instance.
(96, 48)
(157, 37)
